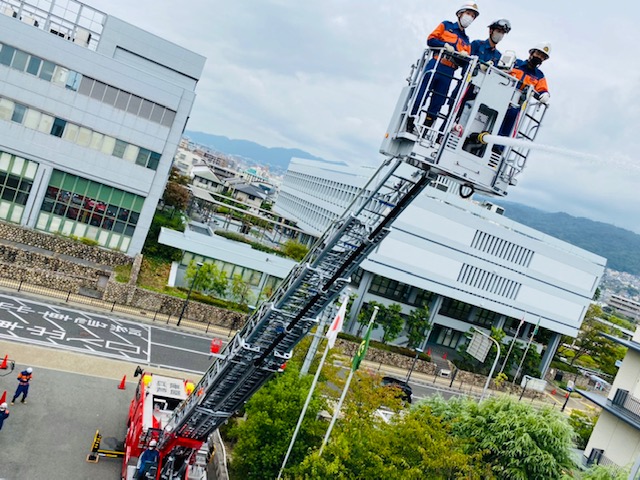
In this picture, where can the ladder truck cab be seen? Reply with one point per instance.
(474, 109)
(155, 400)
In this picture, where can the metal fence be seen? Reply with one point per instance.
(80, 299)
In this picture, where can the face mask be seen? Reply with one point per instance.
(535, 61)
(466, 20)
(496, 37)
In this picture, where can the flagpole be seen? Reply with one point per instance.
(333, 330)
(352, 370)
(304, 411)
(504, 364)
(526, 350)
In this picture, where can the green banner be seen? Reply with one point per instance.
(362, 349)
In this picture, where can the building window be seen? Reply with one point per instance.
(391, 289)
(58, 127)
(423, 297)
(85, 137)
(76, 206)
(486, 318)
(63, 77)
(455, 309)
(16, 180)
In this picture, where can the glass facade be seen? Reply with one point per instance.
(71, 80)
(16, 180)
(36, 120)
(76, 206)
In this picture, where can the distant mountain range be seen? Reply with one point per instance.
(277, 158)
(619, 246)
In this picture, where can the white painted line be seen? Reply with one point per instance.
(19, 318)
(184, 334)
(206, 354)
(171, 367)
(89, 331)
(40, 343)
(121, 338)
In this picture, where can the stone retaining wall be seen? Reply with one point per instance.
(126, 294)
(62, 245)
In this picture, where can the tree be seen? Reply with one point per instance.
(210, 278)
(413, 446)
(388, 318)
(175, 196)
(295, 250)
(518, 441)
(151, 246)
(590, 345)
(417, 326)
(271, 416)
(582, 423)
(240, 290)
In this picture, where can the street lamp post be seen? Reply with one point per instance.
(186, 301)
(495, 362)
(413, 365)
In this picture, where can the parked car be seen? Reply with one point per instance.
(406, 390)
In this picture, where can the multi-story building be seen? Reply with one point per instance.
(91, 112)
(615, 439)
(469, 264)
(625, 306)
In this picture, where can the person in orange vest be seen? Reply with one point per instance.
(23, 385)
(4, 413)
(448, 37)
(528, 74)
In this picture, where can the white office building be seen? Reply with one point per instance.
(91, 113)
(471, 265)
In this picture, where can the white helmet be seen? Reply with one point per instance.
(473, 6)
(153, 443)
(3, 406)
(544, 47)
(29, 370)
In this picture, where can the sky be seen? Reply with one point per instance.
(324, 76)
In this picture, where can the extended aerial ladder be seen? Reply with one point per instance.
(413, 160)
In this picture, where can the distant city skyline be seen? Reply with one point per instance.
(324, 77)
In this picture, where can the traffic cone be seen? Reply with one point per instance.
(4, 363)
(4, 397)
(122, 383)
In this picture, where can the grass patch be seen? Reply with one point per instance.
(154, 274)
(123, 273)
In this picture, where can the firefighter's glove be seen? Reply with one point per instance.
(545, 98)
(463, 53)
(449, 48)
(485, 66)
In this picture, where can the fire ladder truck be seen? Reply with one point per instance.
(450, 147)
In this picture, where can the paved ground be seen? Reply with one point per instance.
(72, 395)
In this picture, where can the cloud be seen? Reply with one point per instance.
(324, 76)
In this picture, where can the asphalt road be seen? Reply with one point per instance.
(59, 326)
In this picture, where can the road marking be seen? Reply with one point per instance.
(206, 354)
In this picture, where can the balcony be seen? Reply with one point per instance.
(623, 406)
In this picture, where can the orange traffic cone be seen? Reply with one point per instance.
(4, 363)
(122, 383)
(3, 398)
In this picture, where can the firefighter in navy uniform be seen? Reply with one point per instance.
(486, 50)
(23, 385)
(148, 459)
(4, 413)
(528, 74)
(450, 37)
